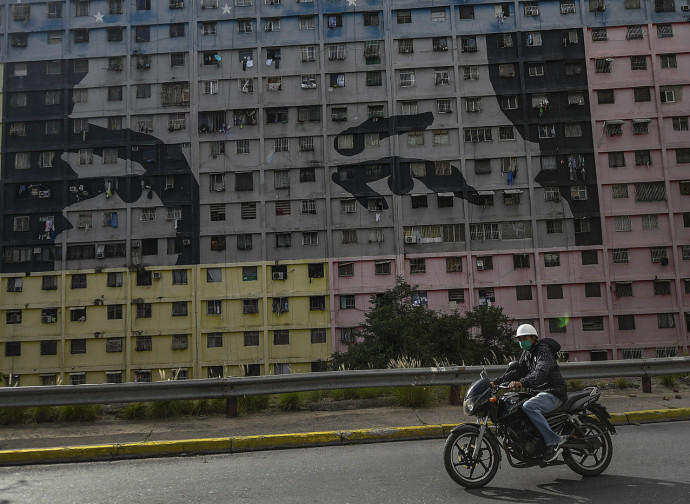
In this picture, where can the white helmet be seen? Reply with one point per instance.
(526, 330)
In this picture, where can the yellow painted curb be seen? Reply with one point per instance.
(392, 433)
(250, 443)
(619, 418)
(114, 451)
(656, 415)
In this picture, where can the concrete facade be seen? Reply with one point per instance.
(256, 171)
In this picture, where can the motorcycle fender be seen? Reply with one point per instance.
(603, 416)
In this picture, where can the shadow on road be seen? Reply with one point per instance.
(603, 488)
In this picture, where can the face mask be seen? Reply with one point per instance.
(526, 345)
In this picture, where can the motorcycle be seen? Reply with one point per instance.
(472, 453)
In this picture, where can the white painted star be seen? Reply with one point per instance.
(226, 9)
(99, 17)
(352, 3)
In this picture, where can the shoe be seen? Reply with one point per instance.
(552, 452)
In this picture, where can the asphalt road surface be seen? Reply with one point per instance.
(650, 465)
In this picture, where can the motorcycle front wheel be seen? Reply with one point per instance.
(457, 457)
(591, 461)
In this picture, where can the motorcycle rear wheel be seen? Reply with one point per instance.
(457, 457)
(591, 462)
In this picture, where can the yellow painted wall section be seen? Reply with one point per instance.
(129, 328)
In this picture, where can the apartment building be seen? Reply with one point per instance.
(205, 188)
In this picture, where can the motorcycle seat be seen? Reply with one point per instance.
(572, 398)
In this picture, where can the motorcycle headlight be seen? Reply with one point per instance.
(468, 405)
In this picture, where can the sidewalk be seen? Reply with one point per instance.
(349, 422)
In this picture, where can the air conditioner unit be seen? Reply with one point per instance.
(98, 302)
(685, 8)
(480, 265)
(73, 188)
(278, 275)
(156, 275)
(411, 239)
(100, 254)
(186, 242)
(137, 300)
(136, 244)
(46, 319)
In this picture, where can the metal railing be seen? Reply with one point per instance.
(232, 388)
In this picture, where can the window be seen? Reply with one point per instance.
(605, 96)
(552, 259)
(659, 255)
(533, 39)
(668, 61)
(623, 223)
(664, 30)
(318, 336)
(620, 256)
(535, 69)
(592, 323)
(599, 5)
(306, 23)
(439, 43)
(682, 157)
(650, 191)
(406, 46)
(567, 6)
(281, 337)
(634, 32)
(642, 158)
(13, 317)
(177, 30)
(616, 159)
(641, 127)
(531, 8)
(662, 288)
(680, 123)
(523, 292)
(438, 14)
(407, 78)
(593, 289)
(244, 181)
(638, 62)
(554, 226)
(417, 265)
(665, 5)
(214, 307)
(244, 26)
(251, 338)
(114, 279)
(626, 323)
(371, 19)
(249, 273)
(348, 236)
(78, 346)
(624, 289)
(619, 191)
(642, 94)
(347, 301)
(554, 291)
(419, 201)
(589, 257)
(79, 281)
(665, 320)
(404, 16)
(415, 138)
(599, 34)
(346, 269)
(468, 43)
(472, 72)
(573, 130)
(603, 65)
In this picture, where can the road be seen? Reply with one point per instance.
(649, 465)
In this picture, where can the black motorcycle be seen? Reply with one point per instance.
(473, 451)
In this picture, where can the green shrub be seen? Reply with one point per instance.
(80, 412)
(164, 409)
(372, 392)
(343, 394)
(134, 411)
(290, 402)
(253, 404)
(203, 407)
(575, 385)
(623, 383)
(11, 416)
(413, 397)
(44, 414)
(315, 395)
(670, 381)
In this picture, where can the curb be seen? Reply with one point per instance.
(239, 444)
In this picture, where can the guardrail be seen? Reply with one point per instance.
(232, 388)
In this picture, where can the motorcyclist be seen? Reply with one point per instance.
(538, 370)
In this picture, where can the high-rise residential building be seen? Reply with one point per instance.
(201, 188)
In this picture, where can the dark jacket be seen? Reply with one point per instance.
(538, 370)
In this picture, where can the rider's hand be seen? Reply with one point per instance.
(515, 385)
(492, 384)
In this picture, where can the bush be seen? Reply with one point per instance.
(134, 411)
(413, 397)
(623, 383)
(80, 412)
(290, 402)
(44, 414)
(253, 404)
(670, 381)
(164, 409)
(11, 416)
(575, 385)
(203, 407)
(315, 395)
(343, 394)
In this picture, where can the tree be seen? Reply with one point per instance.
(400, 325)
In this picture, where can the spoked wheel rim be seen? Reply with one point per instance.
(597, 457)
(461, 458)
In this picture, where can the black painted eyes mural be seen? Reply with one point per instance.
(49, 191)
